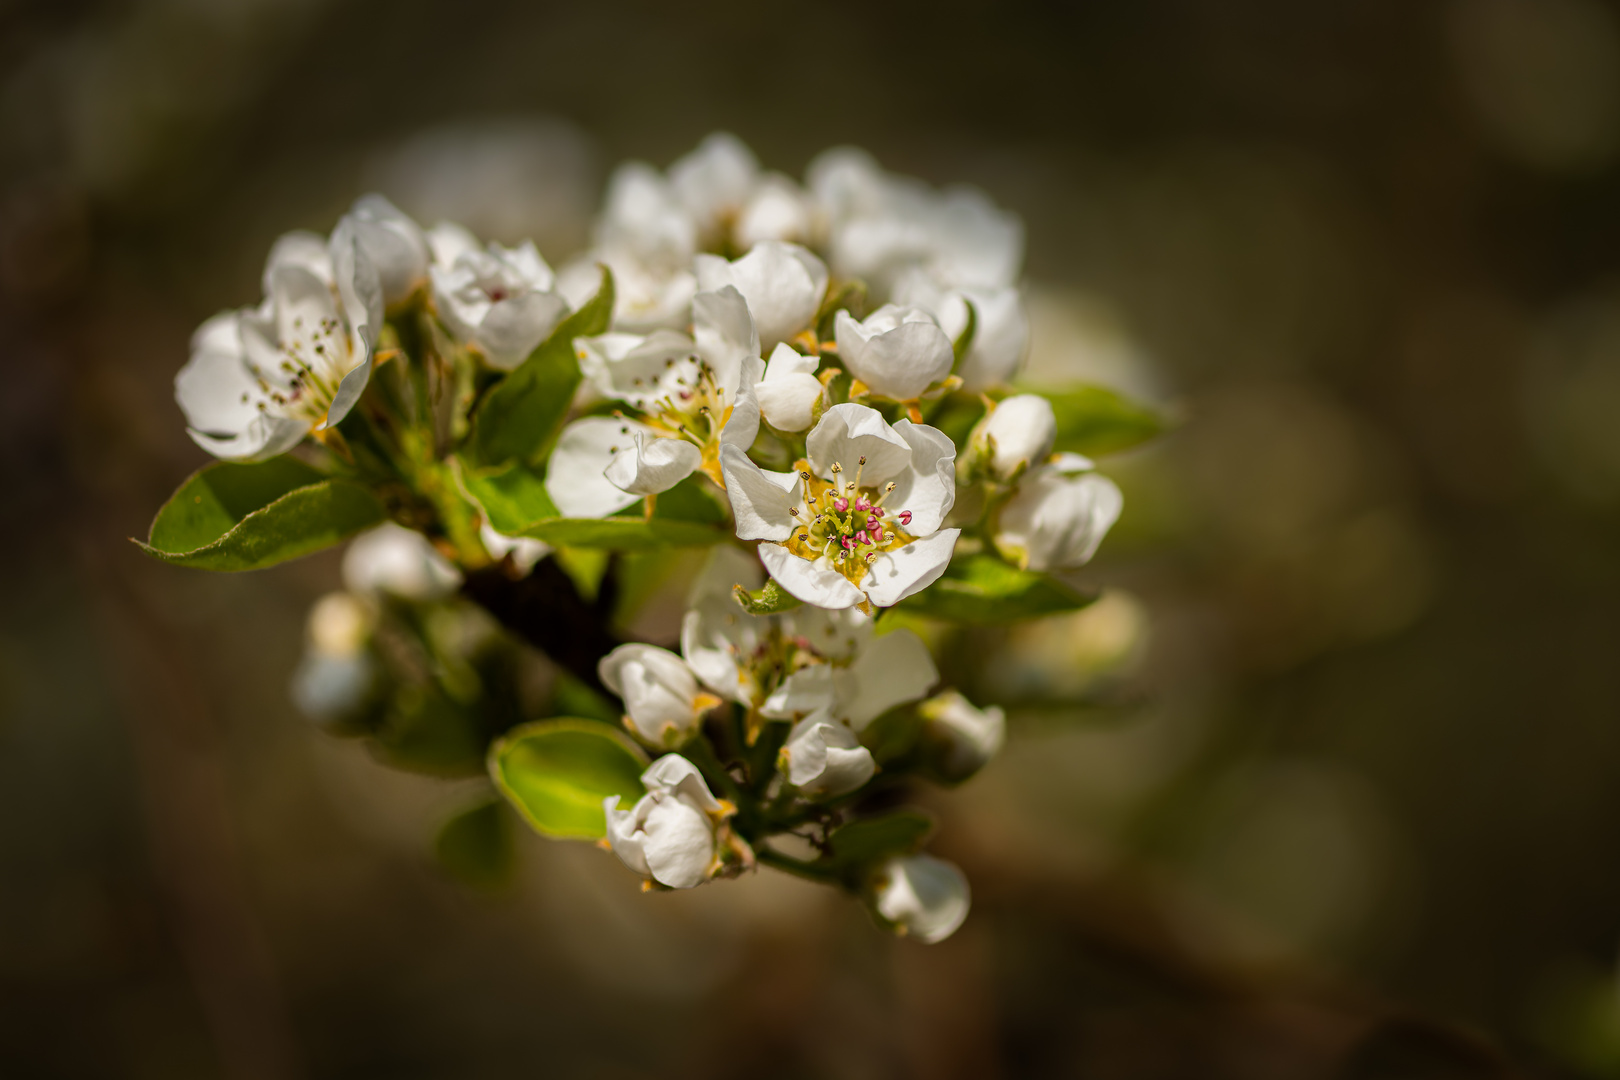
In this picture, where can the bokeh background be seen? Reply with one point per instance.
(1336, 789)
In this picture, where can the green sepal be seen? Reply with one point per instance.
(964, 340)
(982, 589)
(476, 846)
(557, 772)
(1094, 420)
(521, 415)
(232, 517)
(767, 601)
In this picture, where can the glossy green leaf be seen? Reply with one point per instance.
(557, 772)
(476, 846)
(425, 731)
(512, 498)
(518, 419)
(768, 600)
(868, 840)
(624, 534)
(1094, 420)
(982, 589)
(230, 516)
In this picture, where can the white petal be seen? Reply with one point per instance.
(1058, 521)
(304, 250)
(898, 352)
(808, 690)
(723, 330)
(760, 500)
(394, 244)
(359, 287)
(742, 421)
(1000, 339)
(898, 574)
(211, 387)
(967, 737)
(849, 432)
(673, 774)
(813, 582)
(714, 180)
(926, 897)
(658, 690)
(890, 670)
(679, 843)
(265, 437)
(652, 464)
(825, 759)
(928, 487)
(639, 370)
(623, 835)
(789, 402)
(394, 559)
(525, 551)
(778, 210)
(574, 477)
(1022, 429)
(448, 242)
(513, 327)
(783, 284)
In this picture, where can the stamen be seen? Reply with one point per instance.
(905, 517)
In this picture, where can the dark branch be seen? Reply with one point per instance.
(546, 610)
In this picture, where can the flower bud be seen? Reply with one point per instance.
(662, 701)
(1059, 516)
(897, 351)
(961, 739)
(824, 759)
(392, 242)
(1016, 434)
(401, 561)
(339, 624)
(672, 834)
(922, 897)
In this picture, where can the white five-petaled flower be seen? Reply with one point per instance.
(672, 833)
(824, 759)
(1016, 434)
(1058, 516)
(925, 898)
(502, 301)
(782, 283)
(858, 522)
(663, 704)
(963, 738)
(898, 352)
(791, 665)
(1000, 325)
(259, 380)
(696, 396)
(394, 559)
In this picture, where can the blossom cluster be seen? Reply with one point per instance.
(830, 364)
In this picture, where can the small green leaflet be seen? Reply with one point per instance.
(982, 589)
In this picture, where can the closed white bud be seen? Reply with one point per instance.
(1017, 434)
(671, 834)
(1059, 515)
(661, 696)
(824, 759)
(924, 898)
(400, 561)
(393, 243)
(964, 738)
(897, 351)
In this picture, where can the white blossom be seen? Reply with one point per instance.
(789, 393)
(1058, 516)
(778, 209)
(861, 523)
(1016, 434)
(1000, 325)
(965, 738)
(671, 834)
(782, 283)
(824, 759)
(260, 380)
(647, 238)
(393, 244)
(393, 559)
(898, 352)
(662, 701)
(689, 389)
(715, 182)
(923, 897)
(502, 301)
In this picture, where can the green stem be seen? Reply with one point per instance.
(796, 867)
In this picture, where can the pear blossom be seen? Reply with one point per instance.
(782, 283)
(1000, 324)
(858, 521)
(898, 352)
(502, 301)
(673, 833)
(778, 209)
(1016, 434)
(790, 393)
(963, 738)
(336, 675)
(715, 181)
(260, 380)
(647, 238)
(1058, 516)
(663, 704)
(923, 897)
(393, 243)
(696, 396)
(824, 759)
(400, 561)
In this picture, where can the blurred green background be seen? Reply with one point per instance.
(1337, 793)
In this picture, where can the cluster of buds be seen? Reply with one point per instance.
(825, 366)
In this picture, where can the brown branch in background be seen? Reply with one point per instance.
(546, 610)
(195, 851)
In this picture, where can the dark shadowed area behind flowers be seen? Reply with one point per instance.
(1338, 790)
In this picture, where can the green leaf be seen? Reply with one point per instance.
(557, 772)
(869, 840)
(230, 516)
(623, 533)
(426, 731)
(1094, 420)
(964, 340)
(982, 589)
(476, 846)
(512, 498)
(517, 420)
(768, 600)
